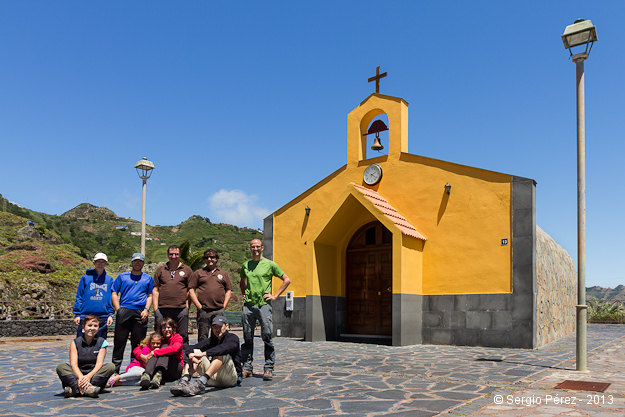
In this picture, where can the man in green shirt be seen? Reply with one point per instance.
(256, 279)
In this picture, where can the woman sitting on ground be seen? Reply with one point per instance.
(165, 363)
(86, 374)
(136, 367)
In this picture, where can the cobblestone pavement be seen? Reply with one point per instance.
(346, 379)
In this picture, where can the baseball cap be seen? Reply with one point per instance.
(219, 320)
(138, 256)
(100, 256)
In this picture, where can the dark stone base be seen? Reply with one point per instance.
(494, 320)
(290, 323)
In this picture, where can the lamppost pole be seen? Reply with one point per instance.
(145, 183)
(581, 34)
(144, 170)
(581, 307)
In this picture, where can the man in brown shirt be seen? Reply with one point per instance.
(171, 289)
(209, 289)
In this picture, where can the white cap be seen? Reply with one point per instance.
(101, 256)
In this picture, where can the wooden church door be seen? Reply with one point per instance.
(369, 281)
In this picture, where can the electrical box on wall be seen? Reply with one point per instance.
(289, 300)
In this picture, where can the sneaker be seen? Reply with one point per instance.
(68, 392)
(194, 388)
(177, 390)
(145, 381)
(156, 380)
(92, 391)
(267, 375)
(112, 380)
(247, 373)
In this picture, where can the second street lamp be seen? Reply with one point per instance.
(580, 35)
(144, 170)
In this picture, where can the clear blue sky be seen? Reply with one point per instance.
(243, 105)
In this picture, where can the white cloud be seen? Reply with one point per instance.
(236, 207)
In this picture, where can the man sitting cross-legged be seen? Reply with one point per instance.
(217, 360)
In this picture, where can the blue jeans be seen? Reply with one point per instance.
(251, 313)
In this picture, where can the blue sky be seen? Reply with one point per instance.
(243, 105)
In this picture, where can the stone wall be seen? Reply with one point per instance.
(556, 290)
(46, 327)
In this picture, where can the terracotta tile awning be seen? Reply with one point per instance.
(385, 208)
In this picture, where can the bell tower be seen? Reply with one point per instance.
(359, 119)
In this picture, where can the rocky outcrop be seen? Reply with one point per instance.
(556, 290)
(89, 211)
(28, 233)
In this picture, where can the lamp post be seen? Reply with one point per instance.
(580, 35)
(144, 170)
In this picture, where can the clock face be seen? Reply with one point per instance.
(373, 174)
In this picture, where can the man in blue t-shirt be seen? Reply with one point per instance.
(132, 298)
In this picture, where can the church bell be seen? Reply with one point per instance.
(377, 146)
(376, 127)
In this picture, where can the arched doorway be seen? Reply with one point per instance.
(369, 282)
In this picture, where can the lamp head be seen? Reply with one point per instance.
(581, 34)
(144, 168)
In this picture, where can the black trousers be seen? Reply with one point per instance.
(204, 320)
(127, 323)
(169, 365)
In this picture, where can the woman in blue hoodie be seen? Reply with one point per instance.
(93, 296)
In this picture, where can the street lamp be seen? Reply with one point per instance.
(144, 170)
(580, 35)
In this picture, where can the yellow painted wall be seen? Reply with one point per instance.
(463, 252)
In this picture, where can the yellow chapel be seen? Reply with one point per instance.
(402, 249)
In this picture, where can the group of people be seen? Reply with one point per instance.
(165, 355)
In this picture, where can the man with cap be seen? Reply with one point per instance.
(132, 299)
(93, 296)
(217, 360)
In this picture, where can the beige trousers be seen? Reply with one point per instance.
(226, 375)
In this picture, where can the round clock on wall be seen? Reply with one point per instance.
(372, 175)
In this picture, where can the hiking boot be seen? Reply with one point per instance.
(145, 381)
(68, 392)
(194, 388)
(247, 373)
(177, 390)
(92, 391)
(267, 375)
(156, 380)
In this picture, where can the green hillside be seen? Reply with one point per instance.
(42, 256)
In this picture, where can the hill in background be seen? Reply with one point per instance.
(609, 294)
(43, 256)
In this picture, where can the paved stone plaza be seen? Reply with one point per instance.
(347, 379)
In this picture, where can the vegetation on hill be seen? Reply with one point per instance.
(42, 256)
(605, 311)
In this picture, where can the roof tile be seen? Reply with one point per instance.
(385, 208)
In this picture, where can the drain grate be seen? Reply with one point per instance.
(583, 385)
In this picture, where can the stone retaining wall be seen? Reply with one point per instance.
(49, 327)
(52, 327)
(556, 290)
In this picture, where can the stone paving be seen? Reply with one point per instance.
(346, 379)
